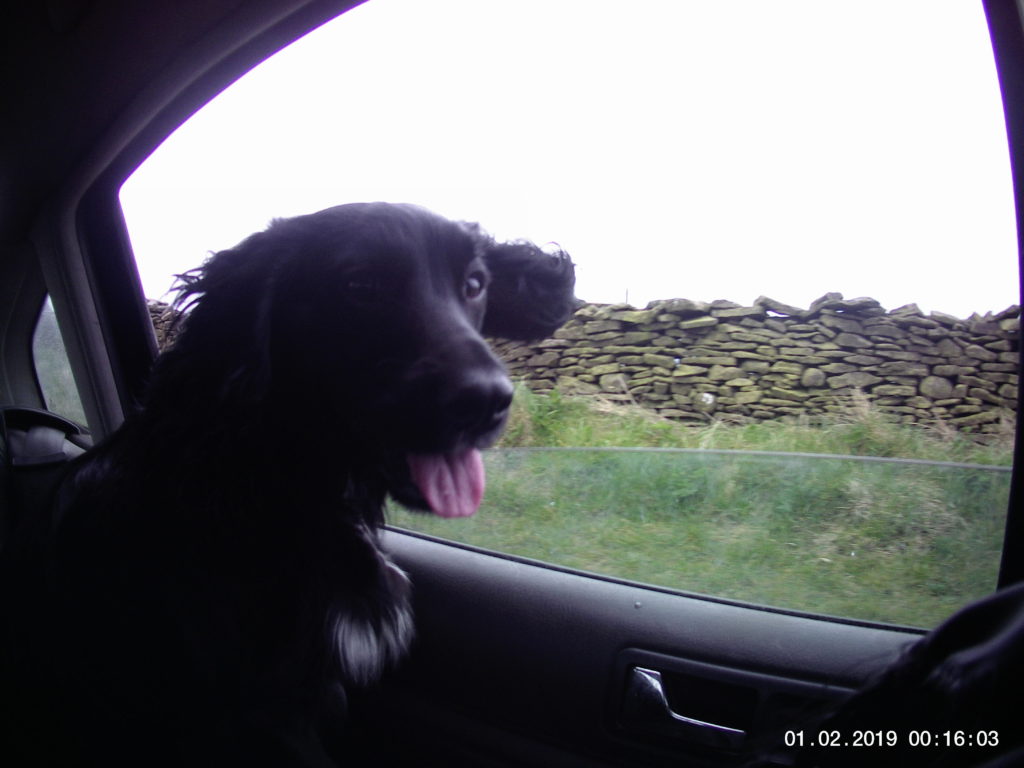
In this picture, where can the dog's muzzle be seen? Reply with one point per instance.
(458, 412)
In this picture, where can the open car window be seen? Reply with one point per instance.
(793, 377)
(53, 369)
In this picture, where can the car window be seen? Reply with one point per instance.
(53, 370)
(792, 377)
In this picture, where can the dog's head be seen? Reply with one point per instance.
(367, 319)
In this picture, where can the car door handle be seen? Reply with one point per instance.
(646, 708)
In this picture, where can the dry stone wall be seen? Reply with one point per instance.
(694, 361)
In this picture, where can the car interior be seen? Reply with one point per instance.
(517, 662)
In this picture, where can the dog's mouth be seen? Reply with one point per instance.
(433, 438)
(451, 484)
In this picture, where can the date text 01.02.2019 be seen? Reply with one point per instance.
(879, 738)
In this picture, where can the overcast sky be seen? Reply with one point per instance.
(676, 148)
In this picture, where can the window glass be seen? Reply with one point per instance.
(885, 540)
(794, 377)
(53, 370)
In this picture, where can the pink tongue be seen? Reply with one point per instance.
(453, 484)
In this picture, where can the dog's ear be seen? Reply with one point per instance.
(530, 294)
(224, 328)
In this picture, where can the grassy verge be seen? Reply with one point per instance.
(557, 420)
(884, 541)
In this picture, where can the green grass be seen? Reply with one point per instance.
(559, 420)
(892, 542)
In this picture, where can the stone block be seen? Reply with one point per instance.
(683, 371)
(936, 387)
(980, 353)
(858, 379)
(613, 382)
(663, 361)
(894, 390)
(813, 378)
(852, 341)
(545, 360)
(782, 366)
(724, 372)
(635, 316)
(698, 322)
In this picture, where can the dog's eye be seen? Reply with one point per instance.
(474, 285)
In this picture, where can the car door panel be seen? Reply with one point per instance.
(550, 655)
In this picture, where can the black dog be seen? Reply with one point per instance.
(214, 579)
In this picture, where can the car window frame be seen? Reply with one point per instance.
(1004, 21)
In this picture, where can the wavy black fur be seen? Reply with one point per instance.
(215, 578)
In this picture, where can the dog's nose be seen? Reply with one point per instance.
(480, 401)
